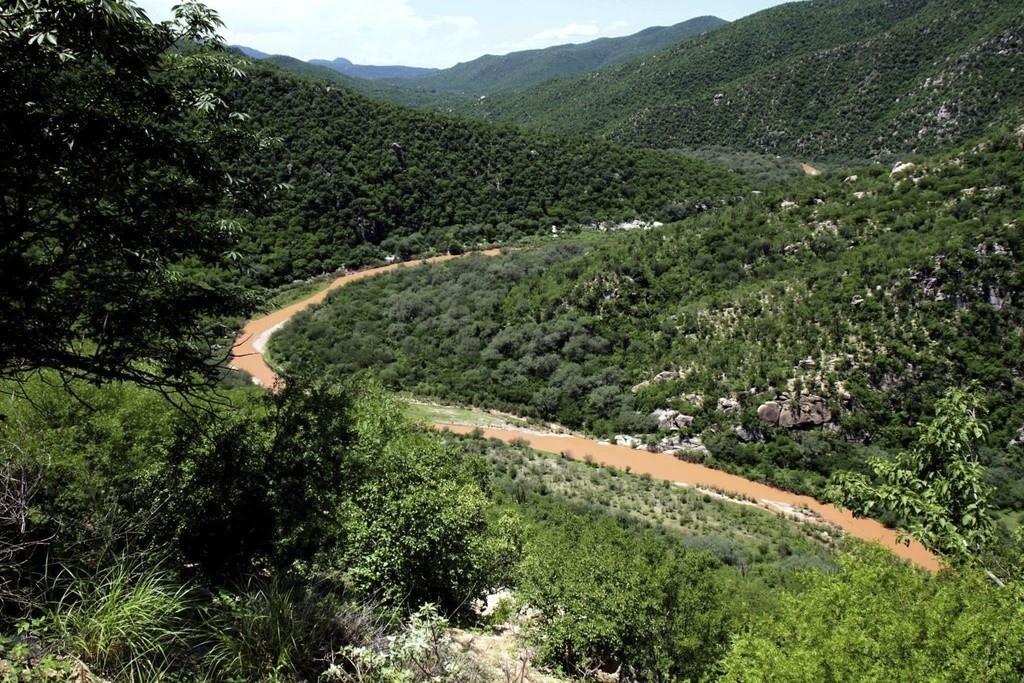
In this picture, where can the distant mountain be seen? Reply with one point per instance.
(373, 73)
(817, 78)
(516, 70)
(250, 52)
(339, 65)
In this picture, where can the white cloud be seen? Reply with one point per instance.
(570, 33)
(365, 31)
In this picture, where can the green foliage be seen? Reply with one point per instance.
(317, 476)
(277, 632)
(361, 180)
(938, 487)
(423, 652)
(113, 259)
(19, 664)
(880, 620)
(848, 78)
(124, 620)
(752, 541)
(894, 288)
(610, 599)
(416, 530)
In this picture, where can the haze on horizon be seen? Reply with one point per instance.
(441, 33)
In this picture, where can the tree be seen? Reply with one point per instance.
(938, 486)
(614, 599)
(111, 240)
(879, 619)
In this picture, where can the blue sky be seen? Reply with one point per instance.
(440, 33)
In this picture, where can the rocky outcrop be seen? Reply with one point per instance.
(665, 376)
(671, 420)
(808, 411)
(628, 441)
(728, 405)
(1019, 439)
(747, 435)
(677, 445)
(902, 167)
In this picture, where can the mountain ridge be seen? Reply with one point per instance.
(821, 78)
(528, 67)
(374, 72)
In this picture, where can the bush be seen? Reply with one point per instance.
(878, 619)
(611, 599)
(275, 630)
(126, 621)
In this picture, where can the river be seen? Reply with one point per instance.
(248, 356)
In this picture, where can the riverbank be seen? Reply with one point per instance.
(248, 356)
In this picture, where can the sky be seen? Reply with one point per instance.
(440, 33)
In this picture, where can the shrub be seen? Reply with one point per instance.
(126, 621)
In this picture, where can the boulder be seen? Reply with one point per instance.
(745, 435)
(671, 420)
(1019, 439)
(728, 405)
(902, 167)
(808, 411)
(674, 445)
(769, 412)
(665, 376)
(628, 441)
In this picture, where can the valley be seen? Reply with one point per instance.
(248, 357)
(632, 348)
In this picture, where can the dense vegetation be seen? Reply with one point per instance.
(824, 78)
(874, 293)
(365, 180)
(105, 190)
(201, 533)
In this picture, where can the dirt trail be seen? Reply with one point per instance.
(248, 356)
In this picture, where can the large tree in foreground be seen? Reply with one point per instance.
(110, 233)
(937, 488)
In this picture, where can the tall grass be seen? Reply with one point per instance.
(127, 621)
(276, 631)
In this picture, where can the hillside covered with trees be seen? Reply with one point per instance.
(161, 519)
(870, 292)
(823, 78)
(352, 180)
(518, 70)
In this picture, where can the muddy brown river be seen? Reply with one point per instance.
(248, 356)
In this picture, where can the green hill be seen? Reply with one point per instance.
(359, 180)
(517, 70)
(856, 300)
(837, 78)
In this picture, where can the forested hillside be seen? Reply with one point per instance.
(159, 521)
(358, 180)
(823, 78)
(855, 300)
(494, 73)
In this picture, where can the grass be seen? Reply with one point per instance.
(474, 417)
(126, 621)
(740, 535)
